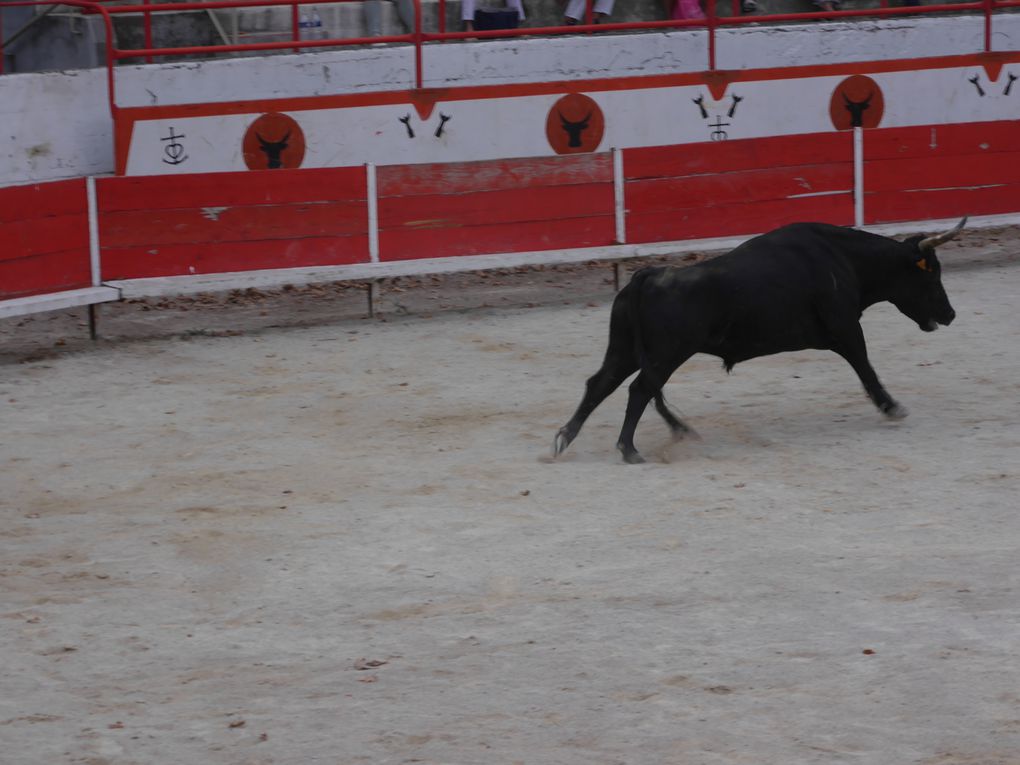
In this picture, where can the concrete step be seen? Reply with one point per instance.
(69, 40)
(348, 19)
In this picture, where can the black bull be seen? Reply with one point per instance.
(801, 286)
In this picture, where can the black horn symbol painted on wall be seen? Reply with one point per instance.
(733, 108)
(700, 101)
(443, 119)
(406, 119)
(574, 129)
(974, 81)
(273, 150)
(1009, 84)
(857, 109)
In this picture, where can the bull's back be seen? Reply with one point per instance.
(758, 299)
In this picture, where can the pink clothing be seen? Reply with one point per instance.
(687, 9)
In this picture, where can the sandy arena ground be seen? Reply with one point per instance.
(231, 543)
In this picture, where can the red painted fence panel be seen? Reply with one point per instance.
(943, 171)
(515, 205)
(729, 188)
(45, 244)
(223, 222)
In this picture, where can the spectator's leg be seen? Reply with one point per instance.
(515, 5)
(467, 15)
(373, 17)
(574, 11)
(602, 9)
(405, 9)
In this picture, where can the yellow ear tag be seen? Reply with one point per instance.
(923, 264)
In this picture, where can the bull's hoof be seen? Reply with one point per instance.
(896, 412)
(630, 456)
(561, 442)
(679, 434)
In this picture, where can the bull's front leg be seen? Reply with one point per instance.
(640, 394)
(853, 348)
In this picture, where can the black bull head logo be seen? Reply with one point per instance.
(857, 108)
(273, 150)
(574, 129)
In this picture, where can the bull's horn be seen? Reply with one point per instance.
(931, 242)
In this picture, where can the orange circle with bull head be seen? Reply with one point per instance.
(575, 124)
(856, 102)
(274, 141)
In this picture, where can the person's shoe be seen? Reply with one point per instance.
(749, 6)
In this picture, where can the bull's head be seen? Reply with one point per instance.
(574, 129)
(921, 296)
(273, 150)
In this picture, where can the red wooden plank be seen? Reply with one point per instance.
(234, 224)
(744, 154)
(955, 171)
(42, 200)
(934, 142)
(41, 235)
(402, 244)
(889, 206)
(42, 273)
(737, 219)
(163, 192)
(494, 175)
(664, 194)
(494, 207)
(181, 259)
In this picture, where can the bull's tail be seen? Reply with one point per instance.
(634, 315)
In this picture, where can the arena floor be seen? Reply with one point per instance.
(344, 543)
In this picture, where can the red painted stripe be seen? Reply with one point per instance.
(522, 205)
(45, 238)
(479, 240)
(743, 154)
(264, 187)
(949, 172)
(41, 235)
(890, 206)
(152, 228)
(494, 175)
(737, 219)
(42, 200)
(515, 205)
(934, 142)
(182, 259)
(223, 222)
(942, 171)
(665, 194)
(38, 274)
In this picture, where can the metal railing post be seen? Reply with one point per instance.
(148, 29)
(711, 20)
(419, 75)
(989, 7)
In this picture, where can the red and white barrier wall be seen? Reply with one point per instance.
(568, 170)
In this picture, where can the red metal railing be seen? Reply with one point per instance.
(418, 37)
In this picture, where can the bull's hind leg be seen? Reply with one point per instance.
(642, 390)
(614, 371)
(619, 364)
(678, 427)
